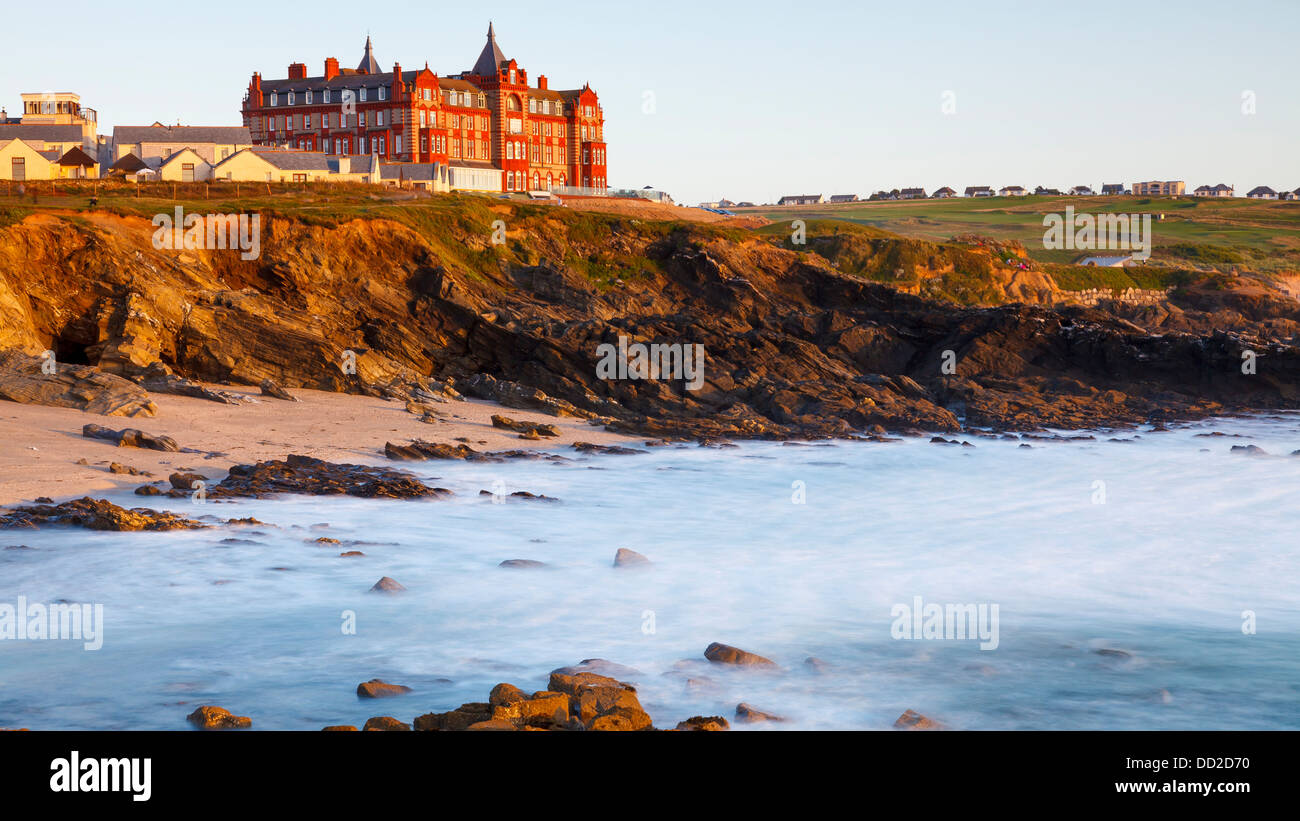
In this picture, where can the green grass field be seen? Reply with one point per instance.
(1258, 235)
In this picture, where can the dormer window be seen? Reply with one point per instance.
(274, 98)
(290, 98)
(307, 97)
(383, 93)
(325, 95)
(363, 95)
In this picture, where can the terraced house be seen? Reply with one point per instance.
(492, 128)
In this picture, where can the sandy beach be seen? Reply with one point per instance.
(40, 446)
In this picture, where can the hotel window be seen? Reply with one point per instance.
(361, 119)
(325, 95)
(325, 145)
(363, 95)
(306, 121)
(548, 155)
(532, 106)
(274, 98)
(379, 118)
(380, 145)
(307, 97)
(424, 144)
(290, 101)
(426, 95)
(383, 93)
(422, 118)
(361, 145)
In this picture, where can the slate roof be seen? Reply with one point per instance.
(368, 62)
(491, 58)
(76, 156)
(192, 135)
(129, 163)
(42, 132)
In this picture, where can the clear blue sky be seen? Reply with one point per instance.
(757, 99)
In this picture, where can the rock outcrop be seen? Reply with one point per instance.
(791, 345)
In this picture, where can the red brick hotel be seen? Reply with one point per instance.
(488, 118)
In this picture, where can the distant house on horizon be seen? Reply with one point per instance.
(1040, 191)
(1156, 188)
(1012, 191)
(1261, 192)
(943, 193)
(801, 199)
(1219, 190)
(1082, 191)
(1107, 261)
(1116, 189)
(844, 198)
(978, 191)
(912, 194)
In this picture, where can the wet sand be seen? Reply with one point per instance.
(40, 446)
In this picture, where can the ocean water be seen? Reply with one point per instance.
(1177, 557)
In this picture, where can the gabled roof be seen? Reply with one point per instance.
(44, 133)
(129, 163)
(192, 135)
(296, 160)
(1261, 189)
(490, 60)
(76, 156)
(414, 171)
(175, 155)
(369, 64)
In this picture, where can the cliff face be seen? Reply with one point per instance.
(792, 345)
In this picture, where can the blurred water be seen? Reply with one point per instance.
(1188, 537)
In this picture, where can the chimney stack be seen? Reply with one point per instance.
(331, 68)
(541, 82)
(297, 71)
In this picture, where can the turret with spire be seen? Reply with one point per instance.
(369, 65)
(489, 62)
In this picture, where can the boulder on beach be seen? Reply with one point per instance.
(711, 724)
(316, 477)
(726, 654)
(748, 715)
(218, 718)
(601, 702)
(522, 564)
(130, 438)
(185, 481)
(387, 585)
(386, 724)
(532, 430)
(630, 558)
(377, 688)
(96, 514)
(912, 720)
(340, 728)
(25, 379)
(272, 389)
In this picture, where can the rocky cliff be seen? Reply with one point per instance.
(395, 301)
